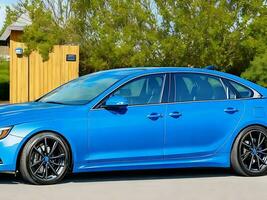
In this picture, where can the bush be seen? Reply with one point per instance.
(257, 70)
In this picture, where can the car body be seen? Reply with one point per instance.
(195, 128)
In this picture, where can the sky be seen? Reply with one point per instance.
(4, 3)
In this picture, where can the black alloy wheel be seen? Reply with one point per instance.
(45, 159)
(250, 151)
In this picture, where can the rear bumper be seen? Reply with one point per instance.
(9, 149)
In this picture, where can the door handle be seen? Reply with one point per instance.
(154, 116)
(175, 115)
(230, 110)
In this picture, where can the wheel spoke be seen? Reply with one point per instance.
(57, 164)
(46, 146)
(262, 140)
(46, 171)
(251, 139)
(262, 153)
(38, 168)
(53, 148)
(247, 145)
(245, 155)
(57, 157)
(36, 163)
(251, 162)
(259, 140)
(258, 161)
(40, 152)
(258, 157)
(263, 150)
(53, 169)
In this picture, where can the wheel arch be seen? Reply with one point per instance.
(43, 131)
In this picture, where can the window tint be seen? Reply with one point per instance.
(240, 90)
(145, 90)
(82, 90)
(197, 87)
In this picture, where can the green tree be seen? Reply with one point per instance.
(125, 33)
(11, 16)
(49, 25)
(257, 70)
(212, 32)
(116, 33)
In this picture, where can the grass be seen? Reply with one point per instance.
(4, 80)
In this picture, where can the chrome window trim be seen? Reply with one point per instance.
(162, 89)
(256, 94)
(224, 87)
(175, 88)
(170, 84)
(184, 102)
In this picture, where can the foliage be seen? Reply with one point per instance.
(116, 33)
(168, 33)
(257, 71)
(11, 16)
(47, 28)
(213, 32)
(125, 33)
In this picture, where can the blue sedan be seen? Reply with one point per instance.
(138, 118)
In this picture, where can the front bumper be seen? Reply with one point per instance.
(9, 149)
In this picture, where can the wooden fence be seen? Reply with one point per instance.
(30, 77)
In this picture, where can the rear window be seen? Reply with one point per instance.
(197, 87)
(240, 90)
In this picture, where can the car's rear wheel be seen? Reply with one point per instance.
(249, 153)
(45, 159)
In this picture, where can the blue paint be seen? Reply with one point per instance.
(159, 135)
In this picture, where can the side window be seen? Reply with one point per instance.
(240, 91)
(145, 90)
(197, 87)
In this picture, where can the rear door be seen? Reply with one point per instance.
(200, 116)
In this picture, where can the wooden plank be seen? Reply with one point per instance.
(18, 71)
(43, 76)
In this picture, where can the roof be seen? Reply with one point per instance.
(19, 25)
(157, 69)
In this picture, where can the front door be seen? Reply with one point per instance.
(134, 134)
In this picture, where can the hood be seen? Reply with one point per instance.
(34, 111)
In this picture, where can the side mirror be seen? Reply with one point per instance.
(116, 102)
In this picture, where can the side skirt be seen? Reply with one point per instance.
(218, 160)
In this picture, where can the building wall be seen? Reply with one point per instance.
(31, 77)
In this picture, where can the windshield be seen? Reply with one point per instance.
(83, 90)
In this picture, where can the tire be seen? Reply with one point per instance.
(249, 152)
(45, 159)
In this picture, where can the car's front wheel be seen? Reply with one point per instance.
(45, 159)
(249, 153)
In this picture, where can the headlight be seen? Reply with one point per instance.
(4, 132)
